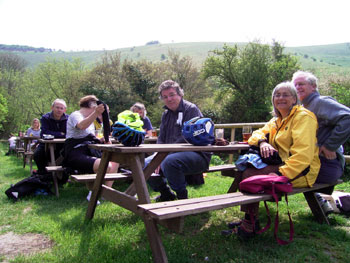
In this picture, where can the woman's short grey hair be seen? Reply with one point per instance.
(309, 77)
(291, 88)
(168, 84)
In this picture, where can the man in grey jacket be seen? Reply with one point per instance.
(334, 125)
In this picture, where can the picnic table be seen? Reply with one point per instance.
(55, 162)
(28, 153)
(137, 193)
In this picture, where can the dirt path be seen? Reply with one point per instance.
(12, 245)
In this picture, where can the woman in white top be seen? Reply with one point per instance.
(81, 133)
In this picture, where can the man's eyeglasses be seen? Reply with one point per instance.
(171, 95)
(283, 95)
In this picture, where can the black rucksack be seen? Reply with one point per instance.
(27, 187)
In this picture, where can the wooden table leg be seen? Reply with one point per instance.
(148, 171)
(96, 191)
(235, 184)
(139, 179)
(53, 163)
(158, 251)
(315, 207)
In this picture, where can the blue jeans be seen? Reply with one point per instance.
(330, 171)
(174, 168)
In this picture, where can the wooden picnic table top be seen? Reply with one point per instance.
(58, 140)
(183, 147)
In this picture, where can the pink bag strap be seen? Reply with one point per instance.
(268, 224)
(291, 225)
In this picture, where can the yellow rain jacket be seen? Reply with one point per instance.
(295, 139)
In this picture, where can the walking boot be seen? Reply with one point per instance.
(165, 195)
(182, 194)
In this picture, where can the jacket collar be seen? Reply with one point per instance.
(309, 98)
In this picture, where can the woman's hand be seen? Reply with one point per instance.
(99, 109)
(266, 149)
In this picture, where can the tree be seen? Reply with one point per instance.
(108, 82)
(51, 80)
(246, 77)
(142, 81)
(183, 71)
(3, 110)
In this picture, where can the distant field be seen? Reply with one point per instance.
(330, 58)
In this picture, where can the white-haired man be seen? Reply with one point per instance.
(53, 123)
(333, 121)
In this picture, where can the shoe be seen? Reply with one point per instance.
(240, 232)
(324, 204)
(240, 228)
(233, 225)
(89, 196)
(164, 198)
(165, 195)
(182, 194)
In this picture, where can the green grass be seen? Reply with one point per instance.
(117, 235)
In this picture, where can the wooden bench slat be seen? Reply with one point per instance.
(173, 209)
(205, 206)
(92, 177)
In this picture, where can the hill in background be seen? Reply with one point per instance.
(335, 58)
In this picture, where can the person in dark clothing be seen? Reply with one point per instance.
(176, 166)
(52, 123)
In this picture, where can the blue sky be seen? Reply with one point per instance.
(76, 25)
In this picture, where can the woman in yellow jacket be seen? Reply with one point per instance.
(291, 133)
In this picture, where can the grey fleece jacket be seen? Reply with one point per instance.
(333, 121)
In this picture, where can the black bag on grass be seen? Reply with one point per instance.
(27, 187)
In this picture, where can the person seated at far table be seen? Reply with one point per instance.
(292, 134)
(52, 123)
(81, 133)
(12, 144)
(176, 166)
(141, 110)
(34, 130)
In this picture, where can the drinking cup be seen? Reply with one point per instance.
(219, 133)
(246, 133)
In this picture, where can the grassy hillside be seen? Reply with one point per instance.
(332, 58)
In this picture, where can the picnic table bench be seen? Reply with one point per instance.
(172, 213)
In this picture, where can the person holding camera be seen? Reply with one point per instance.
(81, 133)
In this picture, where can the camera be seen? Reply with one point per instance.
(324, 204)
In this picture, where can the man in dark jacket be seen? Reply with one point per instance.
(333, 125)
(52, 123)
(176, 166)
